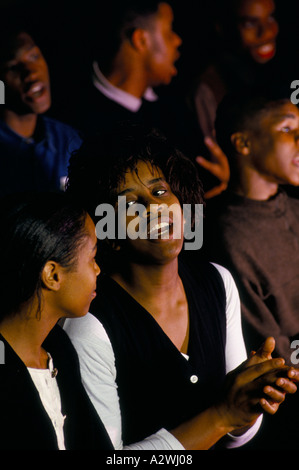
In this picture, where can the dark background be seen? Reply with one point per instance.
(63, 30)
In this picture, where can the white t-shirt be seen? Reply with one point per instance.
(46, 384)
(97, 363)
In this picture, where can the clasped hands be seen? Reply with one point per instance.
(258, 385)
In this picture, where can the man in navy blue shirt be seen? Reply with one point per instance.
(34, 149)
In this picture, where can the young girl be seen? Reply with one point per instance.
(48, 272)
(165, 331)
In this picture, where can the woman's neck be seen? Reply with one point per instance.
(148, 281)
(160, 291)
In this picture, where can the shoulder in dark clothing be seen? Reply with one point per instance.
(25, 423)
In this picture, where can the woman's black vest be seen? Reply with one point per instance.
(157, 386)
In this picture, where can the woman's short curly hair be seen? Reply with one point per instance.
(101, 163)
(98, 167)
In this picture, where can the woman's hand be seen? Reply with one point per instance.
(259, 384)
(284, 384)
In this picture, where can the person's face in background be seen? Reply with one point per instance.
(274, 144)
(258, 29)
(26, 78)
(163, 47)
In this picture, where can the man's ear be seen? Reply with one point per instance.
(52, 276)
(139, 39)
(241, 142)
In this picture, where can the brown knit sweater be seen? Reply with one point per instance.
(258, 241)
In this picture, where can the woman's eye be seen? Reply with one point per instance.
(130, 203)
(286, 129)
(160, 192)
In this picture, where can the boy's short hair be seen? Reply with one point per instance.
(240, 111)
(117, 21)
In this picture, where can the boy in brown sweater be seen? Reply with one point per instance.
(254, 226)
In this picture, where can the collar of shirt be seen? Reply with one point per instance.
(121, 97)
